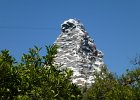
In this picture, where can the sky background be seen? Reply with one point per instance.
(113, 24)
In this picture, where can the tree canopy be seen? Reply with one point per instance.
(36, 77)
(108, 86)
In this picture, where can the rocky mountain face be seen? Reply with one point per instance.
(78, 52)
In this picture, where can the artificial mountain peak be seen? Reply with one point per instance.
(77, 51)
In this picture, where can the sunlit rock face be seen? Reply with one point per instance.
(78, 52)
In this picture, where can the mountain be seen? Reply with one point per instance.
(78, 52)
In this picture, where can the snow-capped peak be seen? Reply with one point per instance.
(78, 52)
(71, 24)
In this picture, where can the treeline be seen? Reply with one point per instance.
(36, 77)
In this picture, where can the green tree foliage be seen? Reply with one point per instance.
(38, 78)
(108, 86)
(35, 77)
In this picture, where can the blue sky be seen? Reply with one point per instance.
(113, 24)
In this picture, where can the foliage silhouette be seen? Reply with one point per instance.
(35, 77)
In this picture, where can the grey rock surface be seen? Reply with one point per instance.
(78, 52)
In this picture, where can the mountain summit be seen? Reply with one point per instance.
(78, 52)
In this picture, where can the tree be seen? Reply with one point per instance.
(108, 86)
(35, 77)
